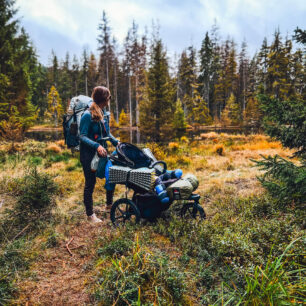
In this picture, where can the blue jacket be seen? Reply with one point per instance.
(90, 135)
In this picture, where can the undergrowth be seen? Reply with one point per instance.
(218, 258)
(29, 216)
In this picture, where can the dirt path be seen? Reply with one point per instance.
(59, 278)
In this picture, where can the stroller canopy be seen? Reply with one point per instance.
(132, 156)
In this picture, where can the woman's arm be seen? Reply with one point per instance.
(84, 128)
(112, 139)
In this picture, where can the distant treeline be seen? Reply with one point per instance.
(217, 84)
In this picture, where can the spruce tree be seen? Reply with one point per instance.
(252, 115)
(179, 122)
(75, 76)
(206, 70)
(243, 75)
(65, 88)
(92, 73)
(157, 105)
(278, 66)
(231, 113)
(17, 58)
(200, 111)
(84, 73)
(262, 60)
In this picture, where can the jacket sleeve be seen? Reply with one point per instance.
(112, 139)
(84, 129)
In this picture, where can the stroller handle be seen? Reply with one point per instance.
(159, 162)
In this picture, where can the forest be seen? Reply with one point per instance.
(218, 84)
(250, 249)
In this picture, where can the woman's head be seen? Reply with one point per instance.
(101, 97)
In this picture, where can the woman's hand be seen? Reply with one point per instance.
(101, 151)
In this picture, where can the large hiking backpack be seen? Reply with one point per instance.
(71, 120)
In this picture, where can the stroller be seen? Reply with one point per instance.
(137, 169)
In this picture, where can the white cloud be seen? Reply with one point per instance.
(181, 21)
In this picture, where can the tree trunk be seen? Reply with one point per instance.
(116, 93)
(130, 102)
(136, 92)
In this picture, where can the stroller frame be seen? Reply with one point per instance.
(133, 209)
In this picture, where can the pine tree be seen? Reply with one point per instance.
(187, 79)
(127, 67)
(278, 67)
(39, 80)
(54, 70)
(75, 76)
(206, 70)
(106, 51)
(285, 121)
(55, 109)
(179, 122)
(252, 115)
(263, 65)
(92, 72)
(115, 79)
(157, 106)
(17, 58)
(231, 113)
(215, 69)
(65, 88)
(201, 114)
(300, 35)
(243, 77)
(83, 87)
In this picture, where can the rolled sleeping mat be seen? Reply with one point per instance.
(193, 180)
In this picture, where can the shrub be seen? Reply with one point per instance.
(116, 247)
(140, 278)
(286, 122)
(36, 199)
(55, 158)
(283, 179)
(12, 261)
(184, 139)
(173, 146)
(274, 284)
(52, 240)
(219, 150)
(74, 165)
(53, 148)
(35, 161)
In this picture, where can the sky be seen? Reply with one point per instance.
(72, 25)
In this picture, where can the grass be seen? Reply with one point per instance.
(224, 259)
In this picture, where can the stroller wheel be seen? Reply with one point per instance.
(124, 210)
(193, 210)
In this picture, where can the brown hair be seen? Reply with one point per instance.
(100, 96)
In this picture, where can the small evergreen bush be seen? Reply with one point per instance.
(286, 122)
(36, 199)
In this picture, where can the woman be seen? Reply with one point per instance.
(94, 126)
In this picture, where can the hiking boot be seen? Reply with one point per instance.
(94, 219)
